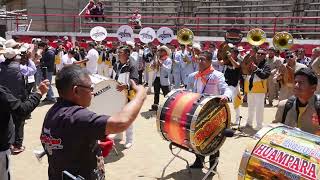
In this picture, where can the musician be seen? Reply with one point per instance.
(162, 67)
(59, 52)
(70, 131)
(147, 57)
(273, 87)
(255, 86)
(315, 65)
(11, 105)
(187, 65)
(208, 81)
(122, 72)
(284, 75)
(215, 63)
(301, 57)
(103, 63)
(302, 113)
(232, 75)
(176, 66)
(195, 52)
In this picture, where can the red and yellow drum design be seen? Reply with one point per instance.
(282, 152)
(193, 121)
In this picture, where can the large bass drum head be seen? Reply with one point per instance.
(108, 100)
(208, 126)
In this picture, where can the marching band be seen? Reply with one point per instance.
(228, 72)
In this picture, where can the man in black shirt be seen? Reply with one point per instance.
(47, 60)
(11, 105)
(232, 75)
(70, 131)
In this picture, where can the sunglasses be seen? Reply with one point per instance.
(261, 53)
(91, 88)
(289, 57)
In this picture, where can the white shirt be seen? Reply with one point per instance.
(67, 61)
(92, 64)
(134, 59)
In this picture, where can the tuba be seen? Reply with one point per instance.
(256, 37)
(185, 36)
(232, 36)
(282, 40)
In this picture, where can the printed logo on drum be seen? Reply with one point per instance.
(287, 161)
(50, 142)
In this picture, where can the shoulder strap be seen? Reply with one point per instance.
(317, 105)
(287, 107)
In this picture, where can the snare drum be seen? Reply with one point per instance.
(193, 121)
(107, 99)
(281, 152)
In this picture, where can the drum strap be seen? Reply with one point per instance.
(290, 103)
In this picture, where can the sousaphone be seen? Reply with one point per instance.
(282, 40)
(185, 36)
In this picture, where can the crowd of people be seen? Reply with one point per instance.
(27, 71)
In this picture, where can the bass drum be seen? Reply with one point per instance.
(281, 152)
(193, 121)
(107, 99)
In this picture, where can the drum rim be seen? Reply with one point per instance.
(242, 171)
(160, 110)
(208, 98)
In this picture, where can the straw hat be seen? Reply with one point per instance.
(164, 47)
(11, 53)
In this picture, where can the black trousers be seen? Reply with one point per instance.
(140, 76)
(157, 86)
(18, 129)
(212, 158)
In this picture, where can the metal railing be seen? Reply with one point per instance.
(77, 23)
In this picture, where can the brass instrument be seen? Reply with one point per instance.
(247, 63)
(256, 37)
(222, 54)
(282, 40)
(185, 36)
(232, 36)
(155, 65)
(286, 75)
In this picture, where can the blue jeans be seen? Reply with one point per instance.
(38, 76)
(50, 95)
